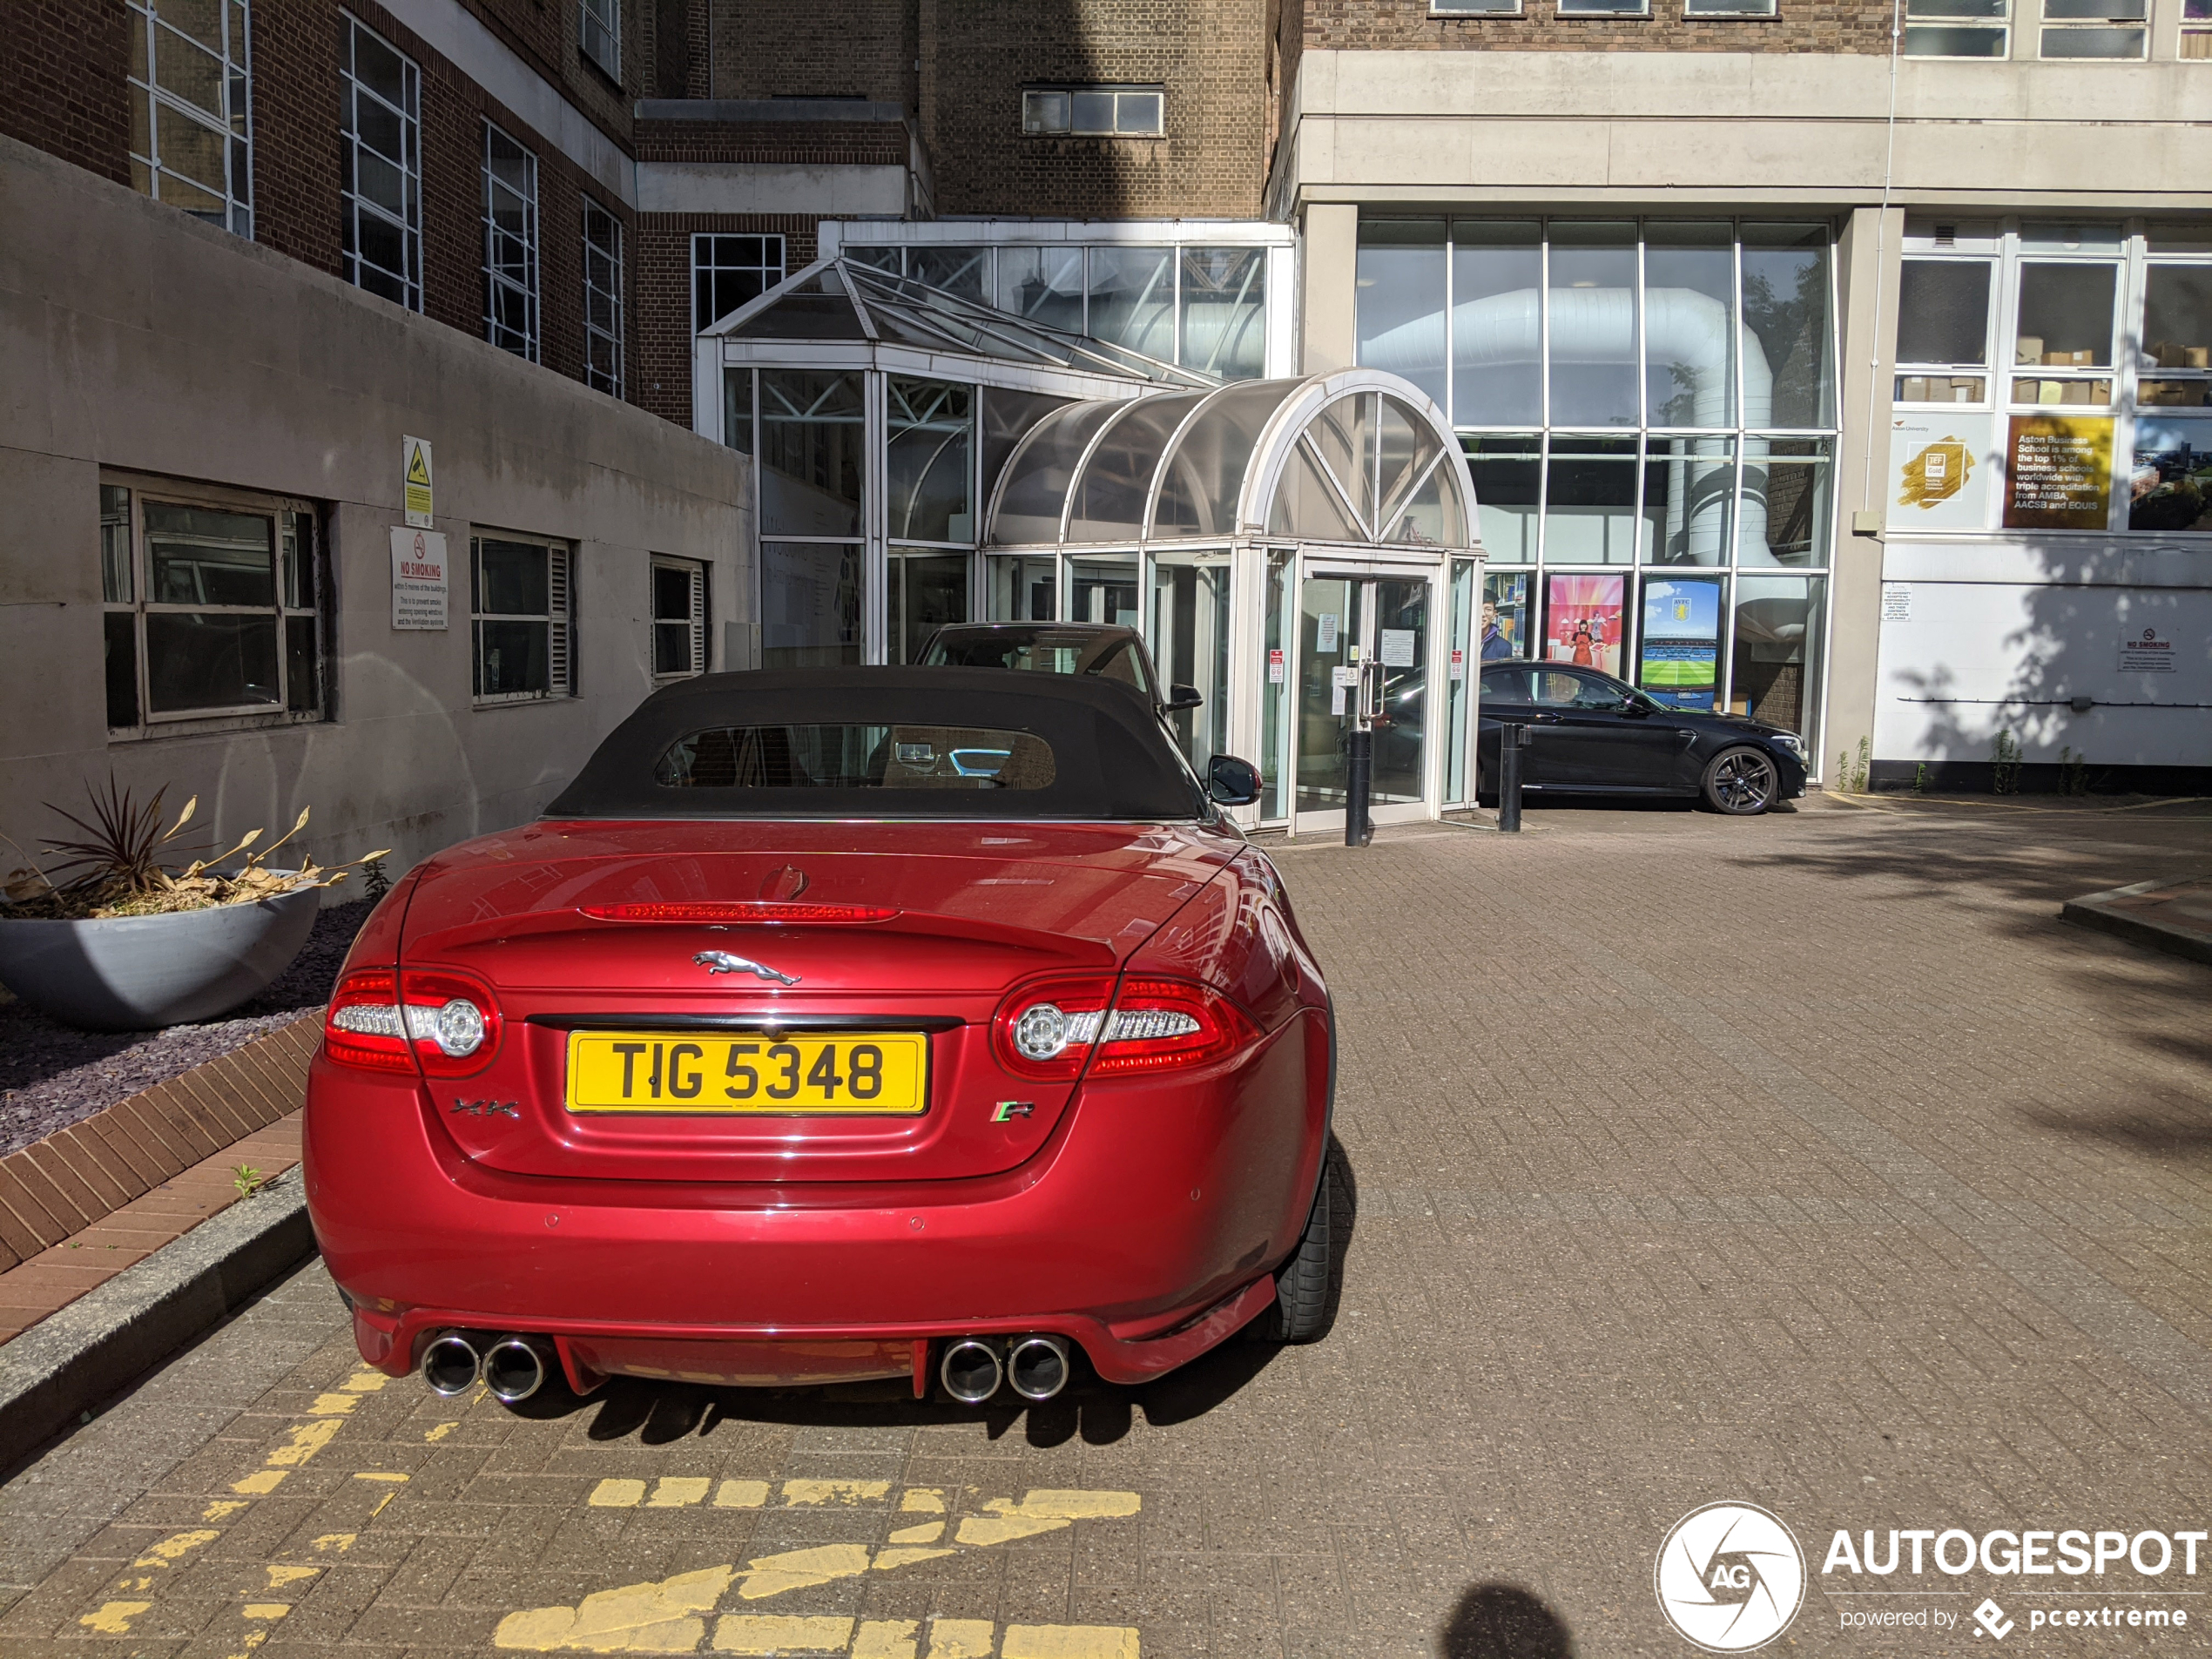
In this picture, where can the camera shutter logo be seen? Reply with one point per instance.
(1731, 1577)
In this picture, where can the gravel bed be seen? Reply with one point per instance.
(52, 1075)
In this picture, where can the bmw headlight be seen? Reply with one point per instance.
(1789, 740)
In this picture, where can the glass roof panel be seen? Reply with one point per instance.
(815, 305)
(907, 310)
(1039, 475)
(1204, 478)
(1116, 482)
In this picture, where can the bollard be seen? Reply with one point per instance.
(1359, 828)
(1513, 738)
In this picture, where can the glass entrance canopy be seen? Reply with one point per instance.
(922, 459)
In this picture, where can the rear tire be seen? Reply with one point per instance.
(1740, 782)
(1301, 1310)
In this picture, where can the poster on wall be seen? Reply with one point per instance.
(1678, 660)
(1939, 471)
(2170, 486)
(1582, 620)
(1505, 615)
(2058, 472)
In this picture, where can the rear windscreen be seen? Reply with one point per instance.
(855, 756)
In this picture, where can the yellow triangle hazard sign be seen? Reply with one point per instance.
(418, 469)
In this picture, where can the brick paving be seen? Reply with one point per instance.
(1809, 1161)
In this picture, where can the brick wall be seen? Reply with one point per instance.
(1405, 25)
(545, 35)
(870, 143)
(62, 83)
(815, 49)
(1210, 55)
(662, 282)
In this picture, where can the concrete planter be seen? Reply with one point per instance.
(140, 973)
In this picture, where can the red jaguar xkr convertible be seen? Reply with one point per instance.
(835, 1024)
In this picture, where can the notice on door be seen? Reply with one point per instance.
(1397, 647)
(418, 584)
(2058, 472)
(415, 482)
(1324, 633)
(1274, 670)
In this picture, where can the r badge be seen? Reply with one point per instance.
(1013, 1108)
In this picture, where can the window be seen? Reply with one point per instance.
(1957, 27)
(2096, 29)
(522, 633)
(1605, 8)
(679, 618)
(1474, 7)
(510, 244)
(2065, 324)
(602, 299)
(727, 270)
(379, 163)
(2196, 29)
(192, 128)
(211, 602)
(1943, 331)
(599, 33)
(1727, 8)
(1095, 112)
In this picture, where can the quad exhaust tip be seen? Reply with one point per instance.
(1037, 1366)
(513, 1368)
(970, 1371)
(451, 1364)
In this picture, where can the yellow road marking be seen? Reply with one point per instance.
(927, 1533)
(380, 1474)
(800, 1493)
(175, 1548)
(341, 1542)
(114, 1618)
(382, 1504)
(280, 1576)
(616, 1494)
(267, 1609)
(222, 1507)
(266, 1480)
(333, 1405)
(366, 1382)
(887, 1559)
(741, 1494)
(1068, 1642)
(677, 1491)
(658, 1617)
(758, 1633)
(922, 1500)
(798, 1569)
(1041, 1512)
(438, 1433)
(961, 1638)
(886, 1639)
(308, 1439)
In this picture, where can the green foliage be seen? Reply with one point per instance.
(2074, 772)
(248, 1179)
(1920, 783)
(2005, 764)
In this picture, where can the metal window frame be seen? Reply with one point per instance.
(771, 275)
(351, 89)
(1116, 89)
(235, 126)
(494, 281)
(699, 575)
(2001, 26)
(559, 618)
(603, 16)
(611, 255)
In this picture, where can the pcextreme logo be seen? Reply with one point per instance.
(1731, 1577)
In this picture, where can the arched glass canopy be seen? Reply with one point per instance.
(1346, 458)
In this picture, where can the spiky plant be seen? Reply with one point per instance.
(123, 841)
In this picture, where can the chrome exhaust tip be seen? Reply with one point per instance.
(515, 1368)
(451, 1365)
(1038, 1367)
(970, 1371)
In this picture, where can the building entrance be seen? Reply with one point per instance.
(1363, 635)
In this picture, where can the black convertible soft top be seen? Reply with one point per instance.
(972, 743)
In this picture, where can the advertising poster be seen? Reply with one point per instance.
(1505, 615)
(1939, 471)
(2170, 488)
(1679, 657)
(2058, 472)
(1582, 620)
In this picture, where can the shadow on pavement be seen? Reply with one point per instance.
(1502, 1622)
(1099, 1412)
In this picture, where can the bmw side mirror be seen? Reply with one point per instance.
(1232, 782)
(1182, 697)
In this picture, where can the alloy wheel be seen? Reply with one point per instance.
(1744, 781)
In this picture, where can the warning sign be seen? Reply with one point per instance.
(2145, 650)
(415, 482)
(418, 584)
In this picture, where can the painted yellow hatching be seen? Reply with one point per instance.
(929, 1533)
(366, 1382)
(260, 1483)
(660, 1617)
(308, 1439)
(267, 1609)
(797, 1494)
(333, 1405)
(114, 1618)
(741, 1494)
(380, 1474)
(885, 1560)
(886, 1639)
(280, 1576)
(1068, 1642)
(433, 1436)
(961, 1638)
(798, 1570)
(222, 1507)
(1042, 1511)
(616, 1494)
(382, 1504)
(922, 1500)
(758, 1633)
(175, 1548)
(677, 1491)
(341, 1542)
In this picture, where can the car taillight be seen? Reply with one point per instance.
(1050, 1030)
(381, 1020)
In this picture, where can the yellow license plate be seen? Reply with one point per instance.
(857, 1072)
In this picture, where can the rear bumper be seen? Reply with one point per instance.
(1144, 1229)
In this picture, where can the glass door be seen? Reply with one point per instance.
(1353, 625)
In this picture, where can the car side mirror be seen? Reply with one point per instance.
(1182, 697)
(1232, 782)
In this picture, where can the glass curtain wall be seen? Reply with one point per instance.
(1639, 400)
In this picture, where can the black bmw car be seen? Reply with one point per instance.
(1592, 734)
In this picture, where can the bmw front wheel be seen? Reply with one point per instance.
(1740, 782)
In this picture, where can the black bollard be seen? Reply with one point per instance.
(1359, 828)
(1512, 736)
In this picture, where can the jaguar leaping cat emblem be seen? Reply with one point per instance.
(721, 962)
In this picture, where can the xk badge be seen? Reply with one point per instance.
(1731, 1577)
